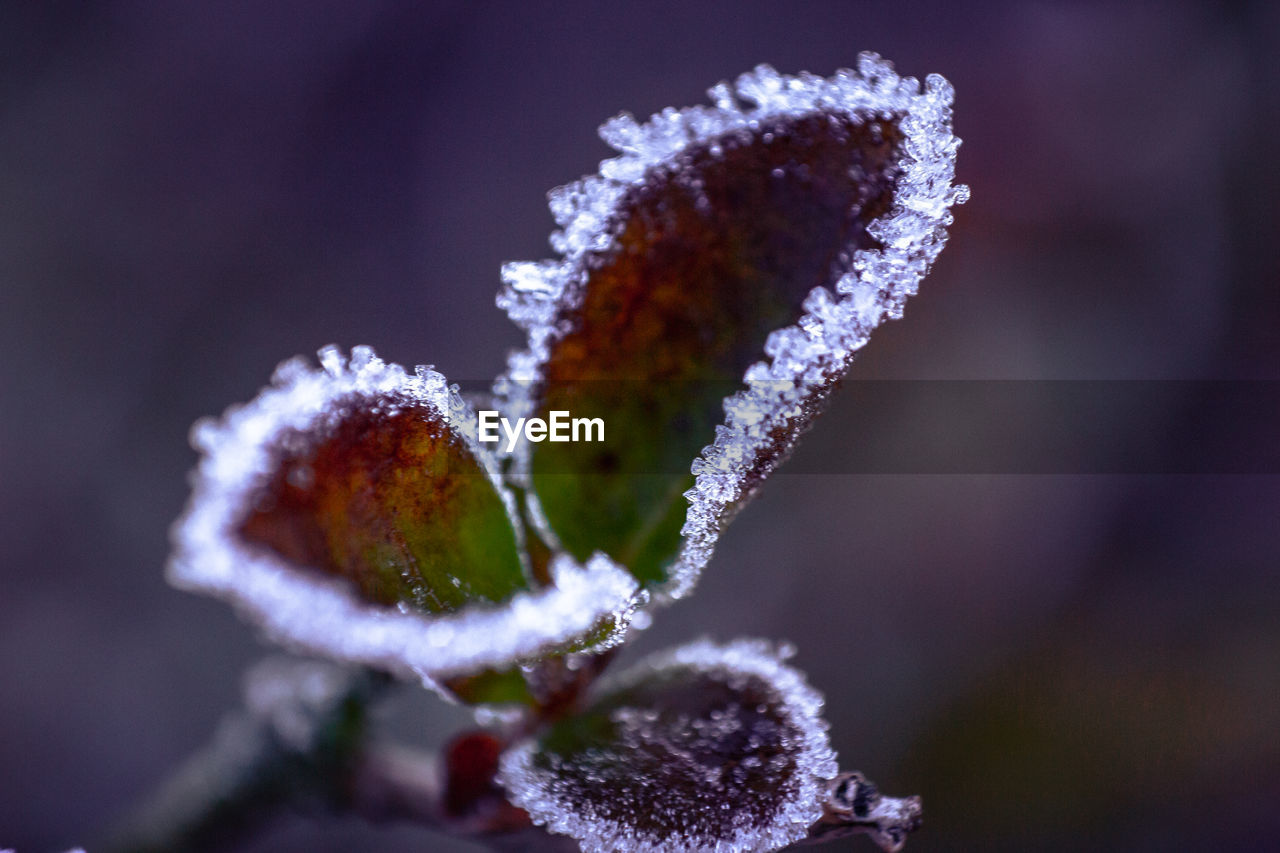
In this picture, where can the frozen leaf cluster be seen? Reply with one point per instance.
(715, 280)
(713, 284)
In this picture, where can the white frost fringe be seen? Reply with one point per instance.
(536, 791)
(801, 359)
(317, 615)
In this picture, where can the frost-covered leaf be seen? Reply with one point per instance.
(715, 748)
(758, 240)
(351, 512)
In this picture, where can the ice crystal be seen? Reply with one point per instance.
(801, 362)
(315, 612)
(705, 748)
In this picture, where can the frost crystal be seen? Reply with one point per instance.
(802, 361)
(318, 614)
(707, 748)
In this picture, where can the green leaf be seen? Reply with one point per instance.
(351, 512)
(387, 494)
(730, 250)
(707, 747)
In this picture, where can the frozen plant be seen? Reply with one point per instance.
(711, 287)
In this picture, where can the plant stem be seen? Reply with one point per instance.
(855, 806)
(300, 744)
(291, 746)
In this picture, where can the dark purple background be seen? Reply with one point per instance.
(190, 192)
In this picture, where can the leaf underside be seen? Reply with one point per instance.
(698, 754)
(712, 252)
(707, 745)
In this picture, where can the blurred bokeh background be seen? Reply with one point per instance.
(190, 192)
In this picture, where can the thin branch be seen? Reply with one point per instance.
(394, 783)
(855, 806)
(300, 745)
(290, 747)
